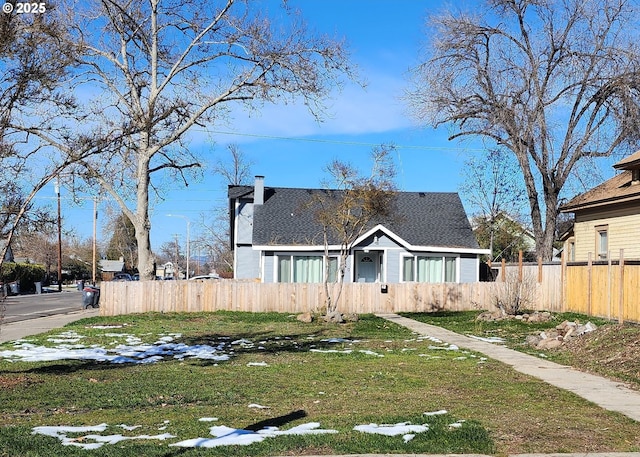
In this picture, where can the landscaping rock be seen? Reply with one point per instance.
(499, 315)
(549, 343)
(307, 318)
(334, 317)
(350, 317)
(562, 334)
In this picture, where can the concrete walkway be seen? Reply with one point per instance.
(607, 394)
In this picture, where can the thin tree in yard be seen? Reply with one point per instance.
(151, 71)
(347, 210)
(553, 82)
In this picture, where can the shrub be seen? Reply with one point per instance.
(25, 273)
(514, 295)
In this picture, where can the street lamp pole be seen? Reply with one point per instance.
(188, 239)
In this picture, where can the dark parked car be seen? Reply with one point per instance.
(122, 277)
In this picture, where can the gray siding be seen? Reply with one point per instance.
(393, 265)
(468, 269)
(247, 263)
(244, 221)
(268, 262)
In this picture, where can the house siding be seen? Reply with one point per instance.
(469, 269)
(623, 230)
(244, 223)
(247, 263)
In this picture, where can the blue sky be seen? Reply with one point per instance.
(290, 148)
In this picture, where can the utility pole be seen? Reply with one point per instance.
(57, 190)
(188, 239)
(95, 224)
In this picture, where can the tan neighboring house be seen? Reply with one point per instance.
(607, 217)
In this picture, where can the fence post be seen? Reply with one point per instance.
(621, 302)
(589, 285)
(520, 265)
(504, 270)
(563, 281)
(609, 285)
(539, 270)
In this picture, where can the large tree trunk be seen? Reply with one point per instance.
(142, 223)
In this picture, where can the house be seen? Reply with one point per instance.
(110, 268)
(8, 255)
(607, 217)
(276, 238)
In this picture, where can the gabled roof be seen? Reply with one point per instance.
(615, 190)
(111, 265)
(629, 163)
(419, 218)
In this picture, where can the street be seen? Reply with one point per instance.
(24, 307)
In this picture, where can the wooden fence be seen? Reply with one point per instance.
(605, 289)
(608, 289)
(191, 296)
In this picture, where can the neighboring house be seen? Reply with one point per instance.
(8, 257)
(509, 237)
(607, 217)
(166, 271)
(275, 238)
(109, 268)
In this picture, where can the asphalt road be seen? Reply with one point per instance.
(24, 307)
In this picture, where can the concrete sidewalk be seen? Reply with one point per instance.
(21, 329)
(607, 394)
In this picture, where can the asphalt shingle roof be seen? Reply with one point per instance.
(419, 218)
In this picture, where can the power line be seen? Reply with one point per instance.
(341, 142)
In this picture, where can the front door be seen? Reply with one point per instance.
(367, 266)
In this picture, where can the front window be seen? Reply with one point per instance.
(305, 269)
(431, 269)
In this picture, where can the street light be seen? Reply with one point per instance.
(188, 236)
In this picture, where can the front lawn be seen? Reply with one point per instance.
(157, 385)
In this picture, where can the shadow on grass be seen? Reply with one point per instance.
(277, 421)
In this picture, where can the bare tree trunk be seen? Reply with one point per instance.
(142, 222)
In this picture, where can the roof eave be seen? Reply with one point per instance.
(600, 203)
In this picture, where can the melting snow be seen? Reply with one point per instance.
(226, 436)
(91, 441)
(405, 429)
(488, 339)
(223, 435)
(436, 413)
(255, 405)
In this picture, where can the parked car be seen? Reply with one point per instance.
(209, 276)
(122, 277)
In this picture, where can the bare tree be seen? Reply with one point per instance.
(347, 209)
(155, 69)
(34, 62)
(237, 170)
(554, 82)
(493, 186)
